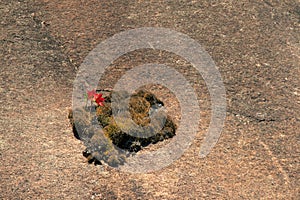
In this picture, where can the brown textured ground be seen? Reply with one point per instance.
(256, 47)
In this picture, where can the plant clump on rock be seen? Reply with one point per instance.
(127, 124)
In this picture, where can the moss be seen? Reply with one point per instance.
(140, 105)
(146, 119)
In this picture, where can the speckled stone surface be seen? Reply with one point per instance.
(255, 45)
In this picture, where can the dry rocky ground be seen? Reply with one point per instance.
(256, 47)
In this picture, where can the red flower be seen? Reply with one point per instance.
(99, 99)
(91, 94)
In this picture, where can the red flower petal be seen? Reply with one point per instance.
(99, 99)
(91, 94)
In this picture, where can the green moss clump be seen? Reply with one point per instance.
(145, 124)
(142, 105)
